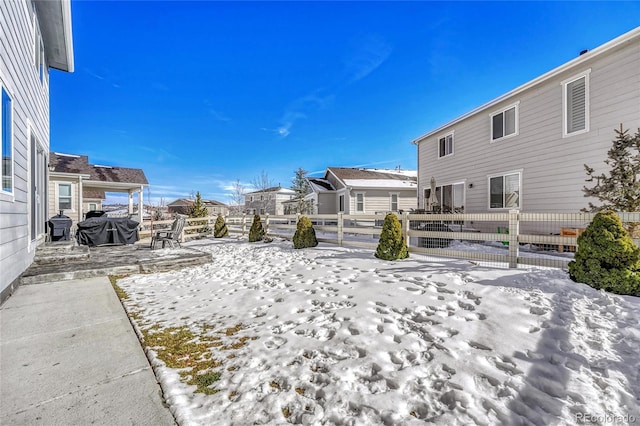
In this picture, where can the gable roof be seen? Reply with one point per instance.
(79, 164)
(320, 185)
(188, 202)
(272, 189)
(629, 37)
(375, 178)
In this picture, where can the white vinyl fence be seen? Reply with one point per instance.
(508, 239)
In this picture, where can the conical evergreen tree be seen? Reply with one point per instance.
(220, 228)
(256, 233)
(305, 235)
(619, 189)
(300, 185)
(392, 245)
(607, 257)
(198, 209)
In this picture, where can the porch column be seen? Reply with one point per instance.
(80, 199)
(130, 208)
(140, 205)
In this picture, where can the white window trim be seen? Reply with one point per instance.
(515, 105)
(10, 194)
(587, 105)
(391, 194)
(364, 207)
(511, 172)
(453, 144)
(72, 210)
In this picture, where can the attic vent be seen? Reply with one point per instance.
(583, 52)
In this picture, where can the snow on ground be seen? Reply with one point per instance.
(347, 339)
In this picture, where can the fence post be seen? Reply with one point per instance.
(405, 227)
(266, 223)
(244, 223)
(340, 224)
(514, 230)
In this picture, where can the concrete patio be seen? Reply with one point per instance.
(66, 260)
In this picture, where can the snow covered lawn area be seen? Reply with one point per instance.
(333, 335)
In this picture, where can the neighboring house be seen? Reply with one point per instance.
(71, 177)
(92, 199)
(184, 205)
(527, 149)
(36, 36)
(363, 191)
(268, 201)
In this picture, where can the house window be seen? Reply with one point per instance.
(360, 202)
(93, 206)
(341, 203)
(445, 145)
(7, 142)
(504, 123)
(394, 202)
(576, 104)
(504, 191)
(64, 196)
(450, 198)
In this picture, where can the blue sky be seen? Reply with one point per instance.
(200, 94)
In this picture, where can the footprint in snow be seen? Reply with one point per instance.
(274, 342)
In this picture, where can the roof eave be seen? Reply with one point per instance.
(544, 77)
(55, 23)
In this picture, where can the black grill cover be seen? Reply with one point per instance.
(60, 227)
(97, 231)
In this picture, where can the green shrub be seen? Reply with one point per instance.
(607, 257)
(256, 233)
(305, 235)
(220, 228)
(392, 245)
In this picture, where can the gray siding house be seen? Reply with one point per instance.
(267, 201)
(363, 191)
(35, 36)
(526, 149)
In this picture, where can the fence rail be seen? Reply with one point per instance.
(505, 239)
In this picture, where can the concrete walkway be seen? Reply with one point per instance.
(69, 356)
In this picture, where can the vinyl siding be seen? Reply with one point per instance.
(379, 200)
(30, 102)
(552, 167)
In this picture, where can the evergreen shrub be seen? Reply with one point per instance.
(220, 228)
(305, 235)
(256, 233)
(392, 245)
(607, 257)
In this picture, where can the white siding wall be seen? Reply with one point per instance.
(30, 101)
(379, 200)
(552, 167)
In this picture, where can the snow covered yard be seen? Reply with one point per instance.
(333, 335)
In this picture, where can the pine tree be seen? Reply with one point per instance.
(305, 235)
(607, 257)
(220, 228)
(256, 233)
(300, 185)
(198, 209)
(392, 245)
(619, 189)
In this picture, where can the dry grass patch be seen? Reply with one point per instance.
(191, 349)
